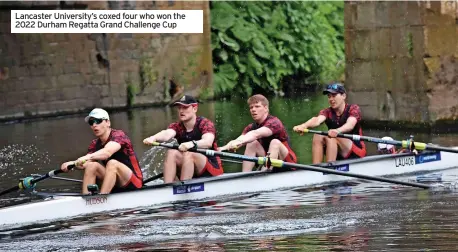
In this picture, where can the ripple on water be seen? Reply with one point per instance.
(14, 157)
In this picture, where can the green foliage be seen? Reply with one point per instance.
(130, 91)
(148, 74)
(257, 44)
(410, 44)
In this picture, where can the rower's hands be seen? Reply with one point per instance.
(149, 140)
(232, 146)
(185, 146)
(64, 166)
(333, 133)
(299, 129)
(80, 161)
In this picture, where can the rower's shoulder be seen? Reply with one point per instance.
(119, 135)
(205, 120)
(354, 106)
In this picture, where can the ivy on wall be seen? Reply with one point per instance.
(259, 46)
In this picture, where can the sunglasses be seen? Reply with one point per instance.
(95, 120)
(333, 86)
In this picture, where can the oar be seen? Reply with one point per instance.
(29, 182)
(404, 143)
(158, 176)
(281, 163)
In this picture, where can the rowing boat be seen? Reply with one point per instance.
(58, 206)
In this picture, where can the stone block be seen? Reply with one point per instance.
(380, 44)
(35, 96)
(106, 102)
(119, 101)
(383, 16)
(75, 92)
(415, 13)
(382, 71)
(440, 40)
(365, 15)
(363, 98)
(398, 10)
(369, 112)
(361, 79)
(399, 42)
(70, 80)
(362, 44)
(99, 79)
(16, 98)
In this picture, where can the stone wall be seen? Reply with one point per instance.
(49, 74)
(402, 59)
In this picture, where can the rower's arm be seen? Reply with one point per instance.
(103, 154)
(349, 125)
(314, 121)
(206, 141)
(253, 135)
(164, 135)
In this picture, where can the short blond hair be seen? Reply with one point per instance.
(258, 98)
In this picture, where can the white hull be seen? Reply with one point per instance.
(228, 184)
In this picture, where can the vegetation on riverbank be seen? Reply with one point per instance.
(275, 46)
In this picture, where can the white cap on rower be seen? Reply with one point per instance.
(97, 113)
(382, 146)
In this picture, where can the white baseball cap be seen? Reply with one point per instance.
(98, 113)
(382, 146)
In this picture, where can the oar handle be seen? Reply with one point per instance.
(51, 174)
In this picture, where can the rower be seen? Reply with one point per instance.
(265, 135)
(383, 148)
(339, 117)
(191, 131)
(110, 158)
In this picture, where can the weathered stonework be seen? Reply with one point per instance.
(402, 60)
(48, 74)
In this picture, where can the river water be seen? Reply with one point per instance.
(363, 216)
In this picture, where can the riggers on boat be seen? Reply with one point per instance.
(60, 206)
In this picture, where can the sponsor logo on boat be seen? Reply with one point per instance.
(343, 168)
(96, 200)
(426, 158)
(404, 161)
(182, 189)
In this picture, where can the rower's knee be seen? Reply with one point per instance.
(330, 140)
(90, 167)
(319, 139)
(172, 154)
(188, 156)
(252, 146)
(112, 165)
(275, 144)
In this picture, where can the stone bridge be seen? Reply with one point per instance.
(401, 62)
(52, 74)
